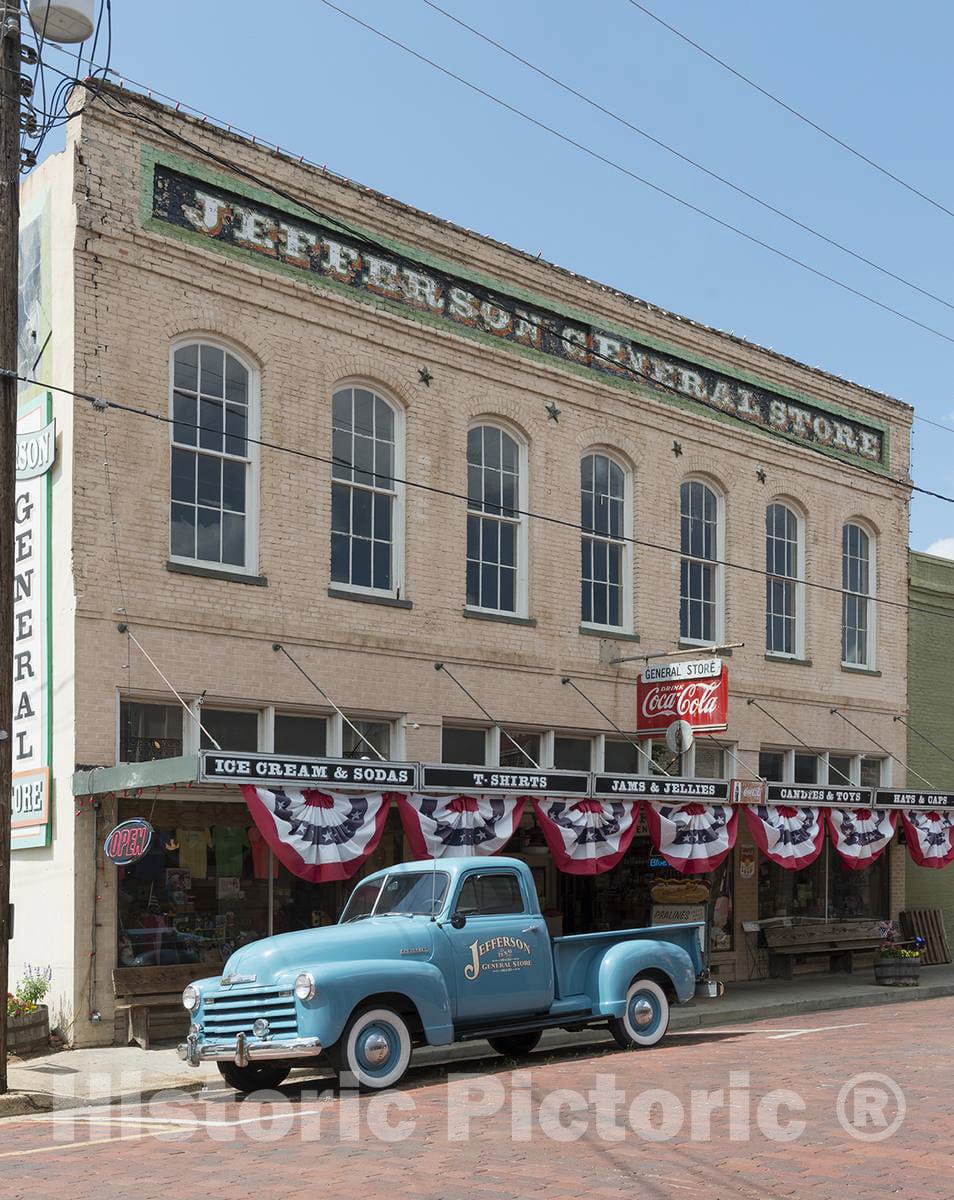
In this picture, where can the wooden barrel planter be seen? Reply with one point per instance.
(29, 1033)
(897, 972)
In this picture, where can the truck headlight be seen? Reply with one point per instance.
(190, 998)
(305, 987)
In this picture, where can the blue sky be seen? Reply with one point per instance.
(875, 72)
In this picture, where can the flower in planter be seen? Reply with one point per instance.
(29, 992)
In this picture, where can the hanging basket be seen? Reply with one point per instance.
(29, 1033)
(897, 972)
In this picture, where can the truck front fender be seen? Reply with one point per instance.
(613, 971)
(343, 987)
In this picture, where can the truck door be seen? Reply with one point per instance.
(501, 961)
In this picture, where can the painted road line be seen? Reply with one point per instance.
(777, 1037)
(189, 1122)
(55, 1149)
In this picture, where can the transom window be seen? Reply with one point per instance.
(496, 538)
(700, 599)
(212, 460)
(856, 580)
(782, 597)
(604, 551)
(364, 493)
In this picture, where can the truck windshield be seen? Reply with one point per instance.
(408, 892)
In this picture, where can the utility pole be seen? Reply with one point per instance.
(10, 66)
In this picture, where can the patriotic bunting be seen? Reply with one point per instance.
(792, 837)
(861, 834)
(319, 836)
(452, 826)
(930, 837)
(692, 838)
(587, 837)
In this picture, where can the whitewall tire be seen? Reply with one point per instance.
(375, 1048)
(645, 1018)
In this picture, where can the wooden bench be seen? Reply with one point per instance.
(838, 941)
(138, 990)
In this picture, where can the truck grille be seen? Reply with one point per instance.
(227, 1012)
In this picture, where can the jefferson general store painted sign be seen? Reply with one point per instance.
(227, 218)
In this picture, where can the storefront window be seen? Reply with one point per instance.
(772, 765)
(233, 729)
(806, 768)
(378, 733)
(510, 756)
(572, 754)
(462, 745)
(709, 762)
(200, 892)
(803, 893)
(839, 770)
(664, 762)
(295, 734)
(149, 731)
(871, 772)
(622, 758)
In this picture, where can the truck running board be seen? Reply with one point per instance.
(470, 1033)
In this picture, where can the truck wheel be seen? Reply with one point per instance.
(254, 1076)
(646, 1017)
(375, 1048)
(515, 1045)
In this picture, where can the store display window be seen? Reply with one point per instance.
(825, 889)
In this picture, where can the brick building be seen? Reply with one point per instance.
(330, 320)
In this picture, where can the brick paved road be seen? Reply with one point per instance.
(469, 1138)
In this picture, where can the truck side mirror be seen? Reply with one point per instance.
(458, 920)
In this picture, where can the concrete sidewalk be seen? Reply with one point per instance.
(79, 1078)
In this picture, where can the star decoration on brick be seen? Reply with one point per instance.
(553, 412)
(760, 475)
(677, 448)
(425, 376)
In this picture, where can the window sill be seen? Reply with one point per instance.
(701, 646)
(788, 658)
(476, 614)
(179, 568)
(613, 635)
(850, 669)
(368, 598)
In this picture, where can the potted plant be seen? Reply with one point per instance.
(28, 1020)
(899, 965)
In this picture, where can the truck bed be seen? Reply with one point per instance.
(574, 954)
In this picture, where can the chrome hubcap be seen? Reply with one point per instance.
(376, 1049)
(642, 1013)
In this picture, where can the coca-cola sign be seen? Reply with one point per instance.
(699, 697)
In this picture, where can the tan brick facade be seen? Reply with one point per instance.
(136, 290)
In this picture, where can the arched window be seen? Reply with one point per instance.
(783, 590)
(366, 521)
(496, 530)
(605, 553)
(214, 492)
(857, 581)
(700, 582)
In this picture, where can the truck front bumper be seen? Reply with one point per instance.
(244, 1050)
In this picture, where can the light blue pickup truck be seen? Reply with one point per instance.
(428, 956)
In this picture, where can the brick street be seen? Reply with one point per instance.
(479, 1145)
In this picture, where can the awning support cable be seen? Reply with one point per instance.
(801, 741)
(123, 627)
(280, 649)
(654, 766)
(924, 738)
(439, 666)
(910, 770)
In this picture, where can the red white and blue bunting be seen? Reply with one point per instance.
(930, 837)
(860, 835)
(319, 836)
(587, 837)
(792, 837)
(692, 838)
(453, 826)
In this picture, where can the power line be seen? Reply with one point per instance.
(624, 170)
(99, 402)
(615, 116)
(794, 111)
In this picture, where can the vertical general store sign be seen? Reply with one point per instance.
(32, 733)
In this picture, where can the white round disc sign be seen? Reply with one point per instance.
(679, 737)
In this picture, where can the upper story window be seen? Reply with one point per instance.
(605, 552)
(213, 491)
(366, 499)
(149, 731)
(496, 521)
(783, 589)
(857, 581)
(701, 584)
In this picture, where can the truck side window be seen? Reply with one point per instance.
(494, 894)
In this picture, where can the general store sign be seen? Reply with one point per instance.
(32, 629)
(227, 219)
(696, 692)
(225, 767)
